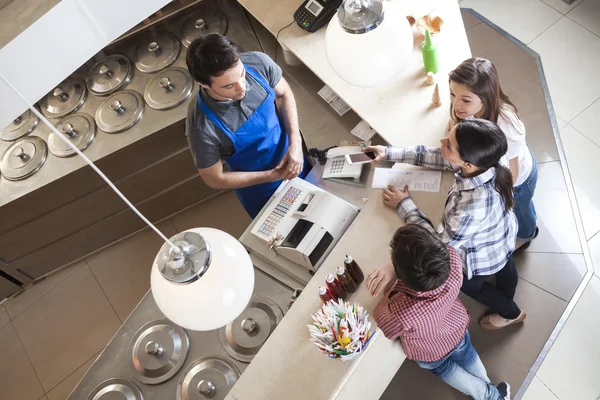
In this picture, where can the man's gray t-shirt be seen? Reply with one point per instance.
(208, 143)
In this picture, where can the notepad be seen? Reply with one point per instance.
(417, 180)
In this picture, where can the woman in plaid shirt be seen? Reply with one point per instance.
(478, 219)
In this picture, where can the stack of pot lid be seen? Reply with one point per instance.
(157, 52)
(158, 351)
(120, 111)
(21, 126)
(243, 337)
(207, 378)
(203, 24)
(116, 389)
(64, 99)
(109, 75)
(24, 158)
(79, 128)
(169, 88)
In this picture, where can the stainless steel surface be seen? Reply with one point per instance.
(113, 362)
(109, 75)
(66, 98)
(24, 158)
(120, 111)
(157, 52)
(243, 337)
(79, 128)
(116, 389)
(188, 261)
(203, 23)
(21, 126)
(169, 88)
(158, 351)
(207, 378)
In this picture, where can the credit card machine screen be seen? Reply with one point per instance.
(313, 14)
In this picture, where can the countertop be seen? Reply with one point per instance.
(289, 366)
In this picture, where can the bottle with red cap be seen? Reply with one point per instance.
(352, 267)
(336, 287)
(325, 294)
(344, 276)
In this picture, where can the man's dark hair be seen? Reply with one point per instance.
(420, 259)
(211, 55)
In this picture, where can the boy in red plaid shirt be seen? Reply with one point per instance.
(424, 312)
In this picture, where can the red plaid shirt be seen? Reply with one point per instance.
(429, 324)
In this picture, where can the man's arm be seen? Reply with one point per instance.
(217, 178)
(292, 163)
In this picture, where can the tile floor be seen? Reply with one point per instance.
(80, 307)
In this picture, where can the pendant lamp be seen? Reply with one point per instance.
(368, 42)
(202, 278)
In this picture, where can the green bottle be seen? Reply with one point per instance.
(430, 55)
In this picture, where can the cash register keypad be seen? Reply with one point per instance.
(269, 226)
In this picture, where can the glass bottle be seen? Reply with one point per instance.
(352, 267)
(324, 294)
(346, 279)
(336, 287)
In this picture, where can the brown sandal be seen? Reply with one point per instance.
(495, 321)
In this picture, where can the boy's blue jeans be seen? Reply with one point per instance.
(463, 370)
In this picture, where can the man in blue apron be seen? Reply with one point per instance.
(235, 119)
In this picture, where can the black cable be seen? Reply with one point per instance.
(277, 41)
(320, 155)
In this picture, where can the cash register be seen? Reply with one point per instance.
(297, 229)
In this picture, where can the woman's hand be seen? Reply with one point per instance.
(380, 153)
(381, 280)
(392, 196)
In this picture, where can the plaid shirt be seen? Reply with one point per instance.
(429, 324)
(475, 221)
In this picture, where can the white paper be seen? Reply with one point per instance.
(363, 131)
(417, 180)
(327, 94)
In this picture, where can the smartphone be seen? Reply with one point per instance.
(360, 158)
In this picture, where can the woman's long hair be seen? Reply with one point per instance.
(482, 143)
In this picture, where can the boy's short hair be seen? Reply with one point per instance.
(420, 259)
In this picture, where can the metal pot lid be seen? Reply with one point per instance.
(116, 389)
(158, 351)
(169, 88)
(24, 158)
(64, 99)
(157, 52)
(21, 126)
(109, 74)
(243, 337)
(207, 378)
(203, 24)
(120, 111)
(80, 129)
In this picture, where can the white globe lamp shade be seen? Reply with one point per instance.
(206, 282)
(368, 42)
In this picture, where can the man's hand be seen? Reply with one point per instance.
(392, 196)
(381, 280)
(292, 163)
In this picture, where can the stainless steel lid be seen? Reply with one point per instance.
(79, 128)
(64, 99)
(243, 337)
(203, 24)
(21, 126)
(116, 389)
(158, 351)
(24, 158)
(169, 88)
(207, 378)
(120, 111)
(109, 74)
(157, 52)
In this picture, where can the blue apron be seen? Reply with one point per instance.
(260, 144)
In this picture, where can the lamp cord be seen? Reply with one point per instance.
(87, 160)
